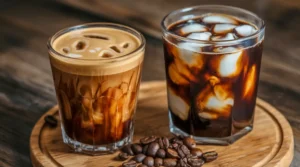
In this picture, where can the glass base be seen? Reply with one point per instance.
(95, 149)
(211, 140)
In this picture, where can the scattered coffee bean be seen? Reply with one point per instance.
(148, 140)
(170, 162)
(127, 149)
(136, 148)
(171, 153)
(152, 149)
(178, 141)
(149, 161)
(142, 165)
(161, 153)
(158, 162)
(123, 156)
(195, 161)
(166, 142)
(139, 157)
(189, 142)
(129, 164)
(210, 156)
(51, 120)
(160, 142)
(196, 152)
(183, 163)
(174, 146)
(181, 153)
(145, 149)
(184, 149)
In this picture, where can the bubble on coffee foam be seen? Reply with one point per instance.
(92, 51)
(229, 36)
(193, 28)
(219, 19)
(230, 64)
(125, 45)
(223, 28)
(115, 48)
(97, 36)
(73, 55)
(106, 54)
(80, 45)
(66, 50)
(200, 36)
(177, 105)
(245, 30)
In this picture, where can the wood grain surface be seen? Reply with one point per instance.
(26, 86)
(259, 148)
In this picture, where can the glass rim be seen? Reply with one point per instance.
(226, 42)
(97, 25)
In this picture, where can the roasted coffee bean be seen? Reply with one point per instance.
(149, 161)
(123, 156)
(181, 153)
(184, 149)
(158, 162)
(152, 149)
(171, 153)
(139, 157)
(196, 152)
(145, 149)
(166, 142)
(129, 164)
(174, 146)
(170, 162)
(136, 148)
(189, 142)
(142, 165)
(160, 142)
(177, 140)
(210, 156)
(148, 140)
(127, 149)
(51, 120)
(183, 163)
(161, 153)
(195, 161)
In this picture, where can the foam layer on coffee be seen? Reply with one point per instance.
(96, 51)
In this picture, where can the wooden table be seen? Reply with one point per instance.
(26, 86)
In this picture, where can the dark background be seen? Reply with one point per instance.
(26, 86)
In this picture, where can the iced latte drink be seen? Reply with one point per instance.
(96, 70)
(212, 57)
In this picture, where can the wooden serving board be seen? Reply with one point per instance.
(270, 144)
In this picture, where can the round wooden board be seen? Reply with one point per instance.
(270, 143)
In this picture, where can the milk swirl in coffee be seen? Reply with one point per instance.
(96, 76)
(212, 88)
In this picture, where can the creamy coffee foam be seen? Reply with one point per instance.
(96, 51)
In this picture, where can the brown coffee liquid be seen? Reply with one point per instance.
(212, 89)
(96, 81)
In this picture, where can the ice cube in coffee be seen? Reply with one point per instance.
(96, 70)
(212, 61)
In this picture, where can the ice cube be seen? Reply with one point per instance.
(223, 91)
(200, 36)
(223, 28)
(219, 19)
(213, 103)
(230, 64)
(194, 47)
(208, 115)
(175, 75)
(250, 82)
(226, 49)
(177, 105)
(245, 30)
(193, 28)
(229, 36)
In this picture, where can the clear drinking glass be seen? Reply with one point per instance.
(212, 83)
(97, 95)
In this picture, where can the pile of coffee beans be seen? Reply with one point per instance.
(161, 151)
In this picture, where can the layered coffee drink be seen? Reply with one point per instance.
(96, 70)
(212, 68)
